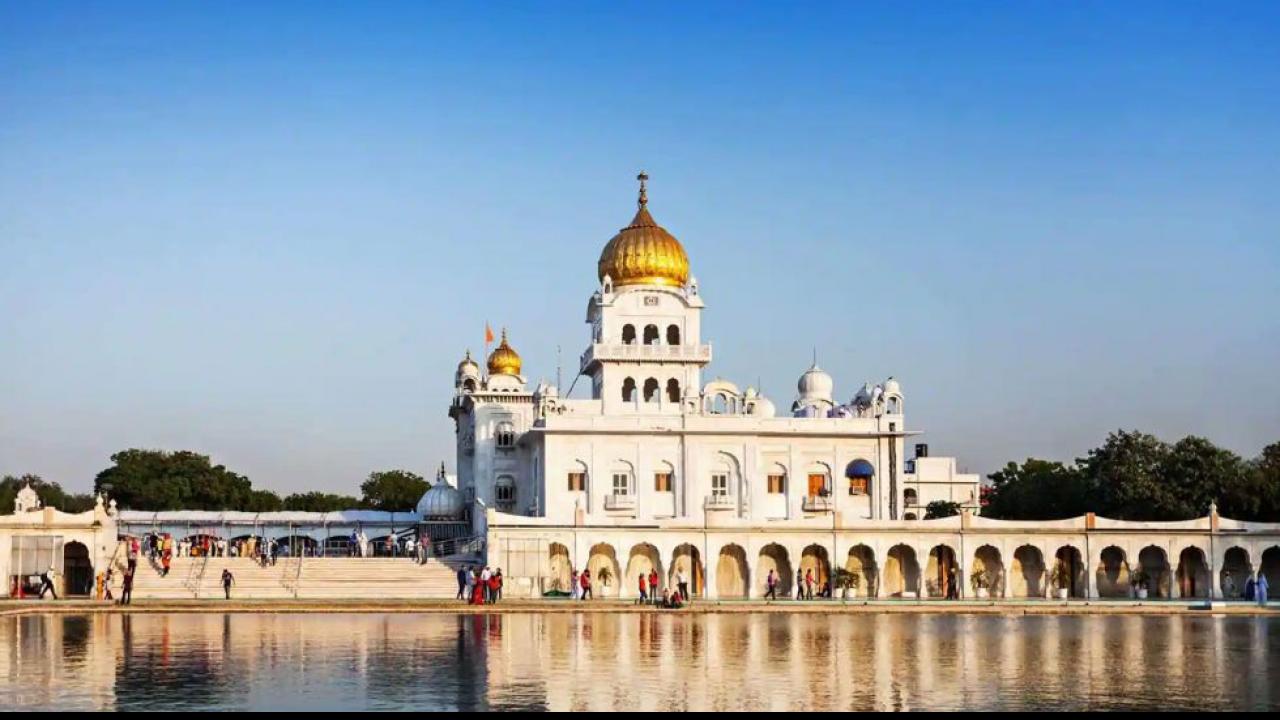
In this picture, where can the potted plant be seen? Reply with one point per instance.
(1139, 580)
(1062, 580)
(847, 582)
(981, 583)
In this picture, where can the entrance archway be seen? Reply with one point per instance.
(901, 572)
(862, 563)
(559, 570)
(602, 563)
(774, 557)
(77, 569)
(732, 578)
(1236, 571)
(1069, 572)
(1154, 564)
(1028, 577)
(988, 569)
(687, 560)
(644, 559)
(1193, 574)
(814, 559)
(940, 573)
(1271, 568)
(1112, 578)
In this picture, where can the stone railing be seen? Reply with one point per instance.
(818, 503)
(620, 502)
(657, 353)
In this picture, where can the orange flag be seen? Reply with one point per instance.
(488, 334)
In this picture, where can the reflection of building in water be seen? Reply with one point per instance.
(659, 469)
(62, 661)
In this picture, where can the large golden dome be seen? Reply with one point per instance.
(504, 360)
(644, 253)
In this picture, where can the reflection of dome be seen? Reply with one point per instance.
(504, 360)
(442, 502)
(815, 384)
(644, 253)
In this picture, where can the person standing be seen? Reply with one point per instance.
(644, 590)
(132, 554)
(683, 584)
(227, 581)
(1261, 588)
(808, 584)
(653, 585)
(462, 583)
(799, 585)
(585, 580)
(771, 586)
(574, 588)
(484, 583)
(126, 588)
(495, 586)
(46, 583)
(953, 590)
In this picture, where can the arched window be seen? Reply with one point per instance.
(719, 404)
(505, 435)
(673, 334)
(628, 389)
(909, 497)
(663, 477)
(673, 390)
(469, 385)
(504, 490)
(577, 477)
(621, 481)
(650, 334)
(860, 472)
(819, 476)
(650, 390)
(628, 334)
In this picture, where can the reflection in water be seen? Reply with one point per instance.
(636, 662)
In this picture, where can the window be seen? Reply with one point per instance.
(628, 334)
(662, 482)
(673, 390)
(909, 496)
(673, 334)
(720, 485)
(577, 482)
(505, 490)
(777, 484)
(621, 484)
(650, 334)
(857, 486)
(817, 484)
(506, 435)
(628, 389)
(650, 390)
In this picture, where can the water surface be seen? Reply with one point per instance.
(636, 662)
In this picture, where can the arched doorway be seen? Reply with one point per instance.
(559, 570)
(1069, 572)
(731, 572)
(988, 572)
(1028, 577)
(602, 563)
(77, 569)
(643, 560)
(1156, 577)
(1236, 571)
(1271, 568)
(861, 562)
(774, 557)
(1193, 574)
(814, 559)
(1112, 578)
(940, 573)
(687, 560)
(901, 572)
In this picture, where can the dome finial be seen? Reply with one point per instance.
(643, 177)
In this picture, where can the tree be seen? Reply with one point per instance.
(320, 502)
(1037, 490)
(1263, 482)
(1127, 474)
(183, 480)
(51, 494)
(393, 490)
(1196, 473)
(941, 509)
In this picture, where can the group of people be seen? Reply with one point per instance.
(479, 586)
(1256, 589)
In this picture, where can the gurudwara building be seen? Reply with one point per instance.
(662, 468)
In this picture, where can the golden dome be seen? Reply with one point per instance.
(644, 253)
(504, 360)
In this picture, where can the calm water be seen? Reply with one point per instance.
(636, 662)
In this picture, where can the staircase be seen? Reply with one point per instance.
(375, 579)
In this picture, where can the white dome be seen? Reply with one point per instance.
(815, 384)
(891, 387)
(442, 502)
(762, 406)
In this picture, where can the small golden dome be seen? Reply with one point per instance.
(644, 253)
(504, 360)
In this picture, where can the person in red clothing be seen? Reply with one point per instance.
(495, 586)
(477, 592)
(585, 579)
(653, 585)
(644, 588)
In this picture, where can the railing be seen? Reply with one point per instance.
(622, 351)
(719, 502)
(291, 574)
(620, 502)
(818, 503)
(195, 575)
(473, 545)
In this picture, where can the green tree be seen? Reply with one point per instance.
(1263, 482)
(183, 480)
(1037, 490)
(320, 502)
(1127, 473)
(51, 494)
(941, 509)
(393, 490)
(1196, 473)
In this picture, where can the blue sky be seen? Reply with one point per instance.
(267, 231)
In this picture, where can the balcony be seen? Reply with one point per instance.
(600, 352)
(620, 502)
(818, 504)
(719, 502)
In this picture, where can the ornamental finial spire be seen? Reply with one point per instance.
(643, 177)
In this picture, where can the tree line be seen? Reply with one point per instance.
(158, 480)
